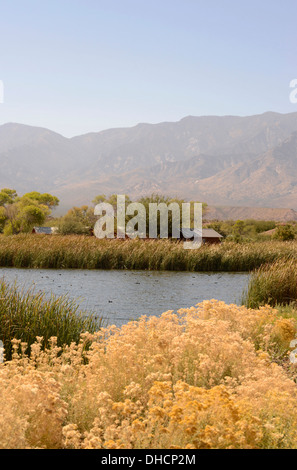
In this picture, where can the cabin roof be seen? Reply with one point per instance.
(45, 230)
(206, 233)
(210, 233)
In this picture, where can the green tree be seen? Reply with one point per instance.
(78, 220)
(112, 199)
(161, 199)
(20, 214)
(218, 227)
(3, 218)
(238, 227)
(32, 215)
(45, 199)
(7, 196)
(284, 232)
(99, 199)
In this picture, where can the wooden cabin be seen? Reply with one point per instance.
(209, 235)
(44, 230)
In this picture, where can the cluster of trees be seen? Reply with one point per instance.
(21, 214)
(80, 220)
(250, 229)
(286, 232)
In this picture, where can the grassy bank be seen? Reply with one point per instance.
(41, 251)
(25, 315)
(273, 284)
(207, 377)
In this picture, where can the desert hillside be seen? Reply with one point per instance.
(224, 161)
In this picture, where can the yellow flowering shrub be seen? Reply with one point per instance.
(206, 377)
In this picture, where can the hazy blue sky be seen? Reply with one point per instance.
(76, 66)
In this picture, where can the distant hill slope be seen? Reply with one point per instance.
(228, 160)
(256, 213)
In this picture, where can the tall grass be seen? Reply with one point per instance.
(25, 315)
(274, 284)
(42, 251)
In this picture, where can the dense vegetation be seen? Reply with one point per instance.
(20, 214)
(251, 230)
(212, 376)
(28, 315)
(57, 251)
(273, 284)
(81, 220)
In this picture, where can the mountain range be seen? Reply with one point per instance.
(221, 160)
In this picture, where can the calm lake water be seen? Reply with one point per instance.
(120, 296)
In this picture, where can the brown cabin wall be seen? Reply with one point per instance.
(211, 240)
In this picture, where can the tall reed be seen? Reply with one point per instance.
(26, 315)
(274, 284)
(44, 251)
